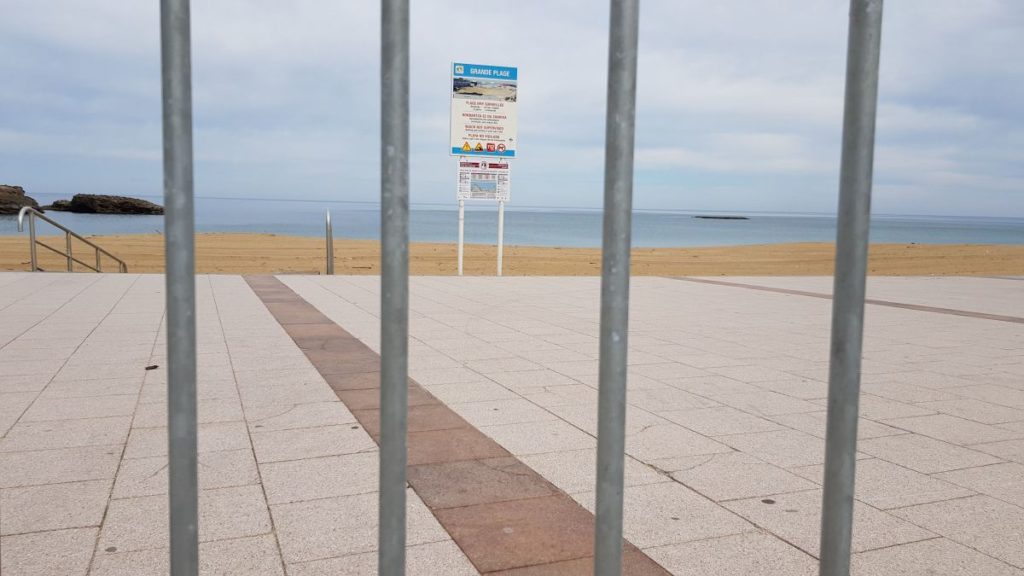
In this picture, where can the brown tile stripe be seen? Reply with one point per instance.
(506, 518)
(917, 307)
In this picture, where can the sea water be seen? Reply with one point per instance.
(538, 226)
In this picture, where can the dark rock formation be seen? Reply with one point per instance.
(102, 204)
(12, 198)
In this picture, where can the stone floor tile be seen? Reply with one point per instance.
(885, 485)
(731, 476)
(292, 393)
(456, 444)
(530, 380)
(1002, 481)
(148, 476)
(326, 477)
(496, 365)
(299, 443)
(953, 430)
(740, 555)
(711, 386)
(471, 482)
(75, 408)
(331, 527)
(141, 523)
(553, 396)
(576, 470)
(154, 415)
(418, 419)
(66, 434)
(498, 412)
(934, 557)
(90, 388)
(719, 421)
(63, 552)
(783, 448)
(979, 522)
(670, 513)
(634, 563)
(814, 424)
(801, 388)
(539, 437)
(925, 455)
(668, 440)
(504, 535)
(767, 403)
(432, 559)
(584, 417)
(667, 399)
(213, 437)
(1007, 450)
(61, 465)
(877, 408)
(53, 506)
(289, 416)
(254, 555)
(977, 410)
(796, 518)
(369, 399)
(480, 391)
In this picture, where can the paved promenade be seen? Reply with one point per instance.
(725, 425)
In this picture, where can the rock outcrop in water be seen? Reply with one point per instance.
(12, 198)
(103, 204)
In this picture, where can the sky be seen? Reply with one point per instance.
(739, 103)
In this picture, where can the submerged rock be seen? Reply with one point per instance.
(103, 204)
(12, 198)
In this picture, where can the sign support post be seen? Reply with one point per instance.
(462, 230)
(501, 232)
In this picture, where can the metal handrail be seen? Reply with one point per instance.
(68, 234)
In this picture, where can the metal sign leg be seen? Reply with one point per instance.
(501, 233)
(849, 284)
(462, 231)
(618, 200)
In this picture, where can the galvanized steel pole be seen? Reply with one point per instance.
(849, 284)
(462, 232)
(618, 208)
(33, 254)
(394, 317)
(330, 245)
(181, 288)
(501, 234)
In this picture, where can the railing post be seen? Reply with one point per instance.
(175, 37)
(618, 202)
(33, 256)
(501, 234)
(850, 278)
(330, 245)
(99, 263)
(67, 248)
(394, 317)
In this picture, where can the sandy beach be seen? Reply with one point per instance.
(270, 253)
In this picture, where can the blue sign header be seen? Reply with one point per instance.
(484, 72)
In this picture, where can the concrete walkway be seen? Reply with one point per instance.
(725, 424)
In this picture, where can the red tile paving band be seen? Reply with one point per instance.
(505, 517)
(916, 307)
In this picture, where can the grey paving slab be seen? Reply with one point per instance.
(924, 454)
(885, 485)
(929, 558)
(64, 552)
(739, 555)
(988, 525)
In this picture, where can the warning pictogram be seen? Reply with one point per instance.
(479, 147)
(466, 147)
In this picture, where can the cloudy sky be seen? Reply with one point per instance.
(739, 102)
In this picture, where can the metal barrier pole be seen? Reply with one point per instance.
(32, 242)
(618, 207)
(181, 298)
(501, 233)
(330, 245)
(849, 284)
(394, 317)
(99, 263)
(67, 248)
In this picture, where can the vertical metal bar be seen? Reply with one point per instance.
(99, 263)
(501, 233)
(849, 284)
(618, 207)
(330, 245)
(32, 242)
(394, 316)
(462, 231)
(67, 247)
(175, 38)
